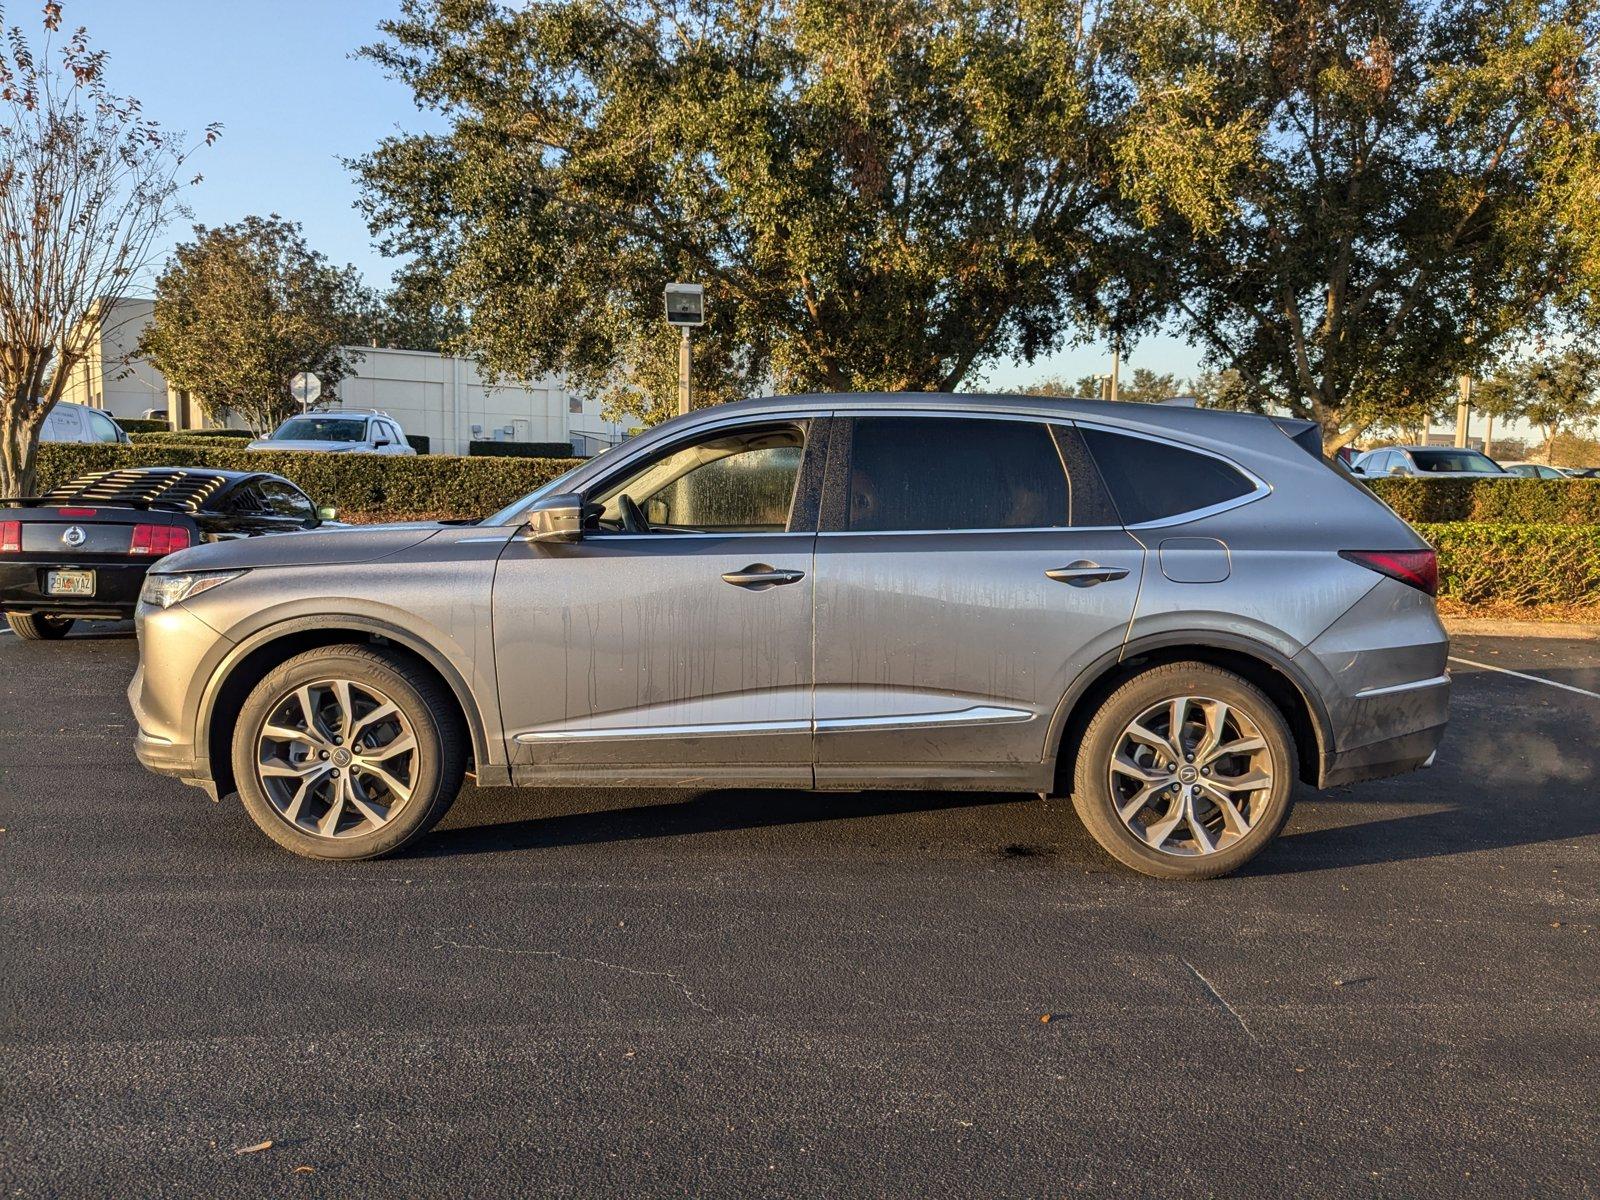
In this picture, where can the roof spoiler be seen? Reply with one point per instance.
(1305, 434)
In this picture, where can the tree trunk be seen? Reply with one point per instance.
(19, 444)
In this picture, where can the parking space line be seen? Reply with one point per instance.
(1565, 687)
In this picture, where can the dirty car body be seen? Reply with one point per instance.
(840, 592)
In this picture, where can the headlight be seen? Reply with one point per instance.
(166, 590)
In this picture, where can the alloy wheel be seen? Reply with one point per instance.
(336, 758)
(1191, 776)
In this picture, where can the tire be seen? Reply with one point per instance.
(1104, 793)
(290, 784)
(37, 627)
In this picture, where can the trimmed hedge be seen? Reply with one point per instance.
(520, 449)
(184, 440)
(1525, 565)
(422, 444)
(363, 487)
(132, 425)
(1501, 501)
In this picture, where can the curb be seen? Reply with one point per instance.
(1491, 627)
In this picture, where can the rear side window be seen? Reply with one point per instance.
(932, 473)
(1151, 481)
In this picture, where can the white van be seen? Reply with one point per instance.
(79, 423)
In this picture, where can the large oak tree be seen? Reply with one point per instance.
(1352, 201)
(881, 194)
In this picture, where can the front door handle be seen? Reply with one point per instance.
(1086, 574)
(758, 577)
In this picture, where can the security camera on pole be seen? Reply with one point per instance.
(686, 308)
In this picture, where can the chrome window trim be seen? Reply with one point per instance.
(1260, 486)
(583, 484)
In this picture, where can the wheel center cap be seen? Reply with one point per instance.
(341, 757)
(1187, 774)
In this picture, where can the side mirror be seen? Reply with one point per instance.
(555, 519)
(327, 513)
(1358, 470)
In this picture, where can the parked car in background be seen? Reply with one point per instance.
(1434, 461)
(68, 422)
(1174, 614)
(1580, 472)
(1528, 470)
(350, 431)
(80, 552)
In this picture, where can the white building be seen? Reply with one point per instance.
(441, 397)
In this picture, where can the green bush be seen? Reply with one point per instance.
(135, 425)
(1531, 564)
(185, 439)
(422, 444)
(1501, 501)
(363, 487)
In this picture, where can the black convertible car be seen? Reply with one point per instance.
(80, 551)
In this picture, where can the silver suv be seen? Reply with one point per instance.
(343, 431)
(1172, 614)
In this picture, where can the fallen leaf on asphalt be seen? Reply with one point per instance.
(256, 1149)
(304, 1170)
(1045, 1020)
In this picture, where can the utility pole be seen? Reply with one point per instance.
(685, 371)
(686, 309)
(1116, 364)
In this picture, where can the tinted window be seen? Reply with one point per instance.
(286, 500)
(909, 473)
(1454, 460)
(738, 482)
(1151, 481)
(322, 429)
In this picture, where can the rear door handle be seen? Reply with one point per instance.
(1086, 574)
(758, 577)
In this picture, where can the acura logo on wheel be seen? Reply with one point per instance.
(74, 536)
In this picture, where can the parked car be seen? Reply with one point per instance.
(350, 431)
(81, 551)
(1580, 472)
(68, 422)
(1528, 470)
(1174, 614)
(1431, 461)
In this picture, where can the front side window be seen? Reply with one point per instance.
(730, 482)
(1152, 481)
(102, 428)
(321, 429)
(930, 473)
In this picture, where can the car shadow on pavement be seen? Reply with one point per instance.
(697, 813)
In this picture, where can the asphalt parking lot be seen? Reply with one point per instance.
(598, 993)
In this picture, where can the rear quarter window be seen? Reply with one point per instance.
(1152, 481)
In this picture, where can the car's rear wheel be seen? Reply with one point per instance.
(348, 752)
(1185, 772)
(37, 627)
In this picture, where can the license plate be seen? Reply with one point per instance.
(69, 583)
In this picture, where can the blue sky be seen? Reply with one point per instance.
(280, 76)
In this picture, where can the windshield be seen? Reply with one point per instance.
(322, 429)
(1469, 461)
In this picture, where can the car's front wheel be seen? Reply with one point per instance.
(348, 752)
(1185, 772)
(38, 627)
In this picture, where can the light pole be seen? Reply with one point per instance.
(686, 308)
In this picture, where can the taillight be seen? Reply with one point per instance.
(158, 540)
(10, 537)
(77, 512)
(1417, 568)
